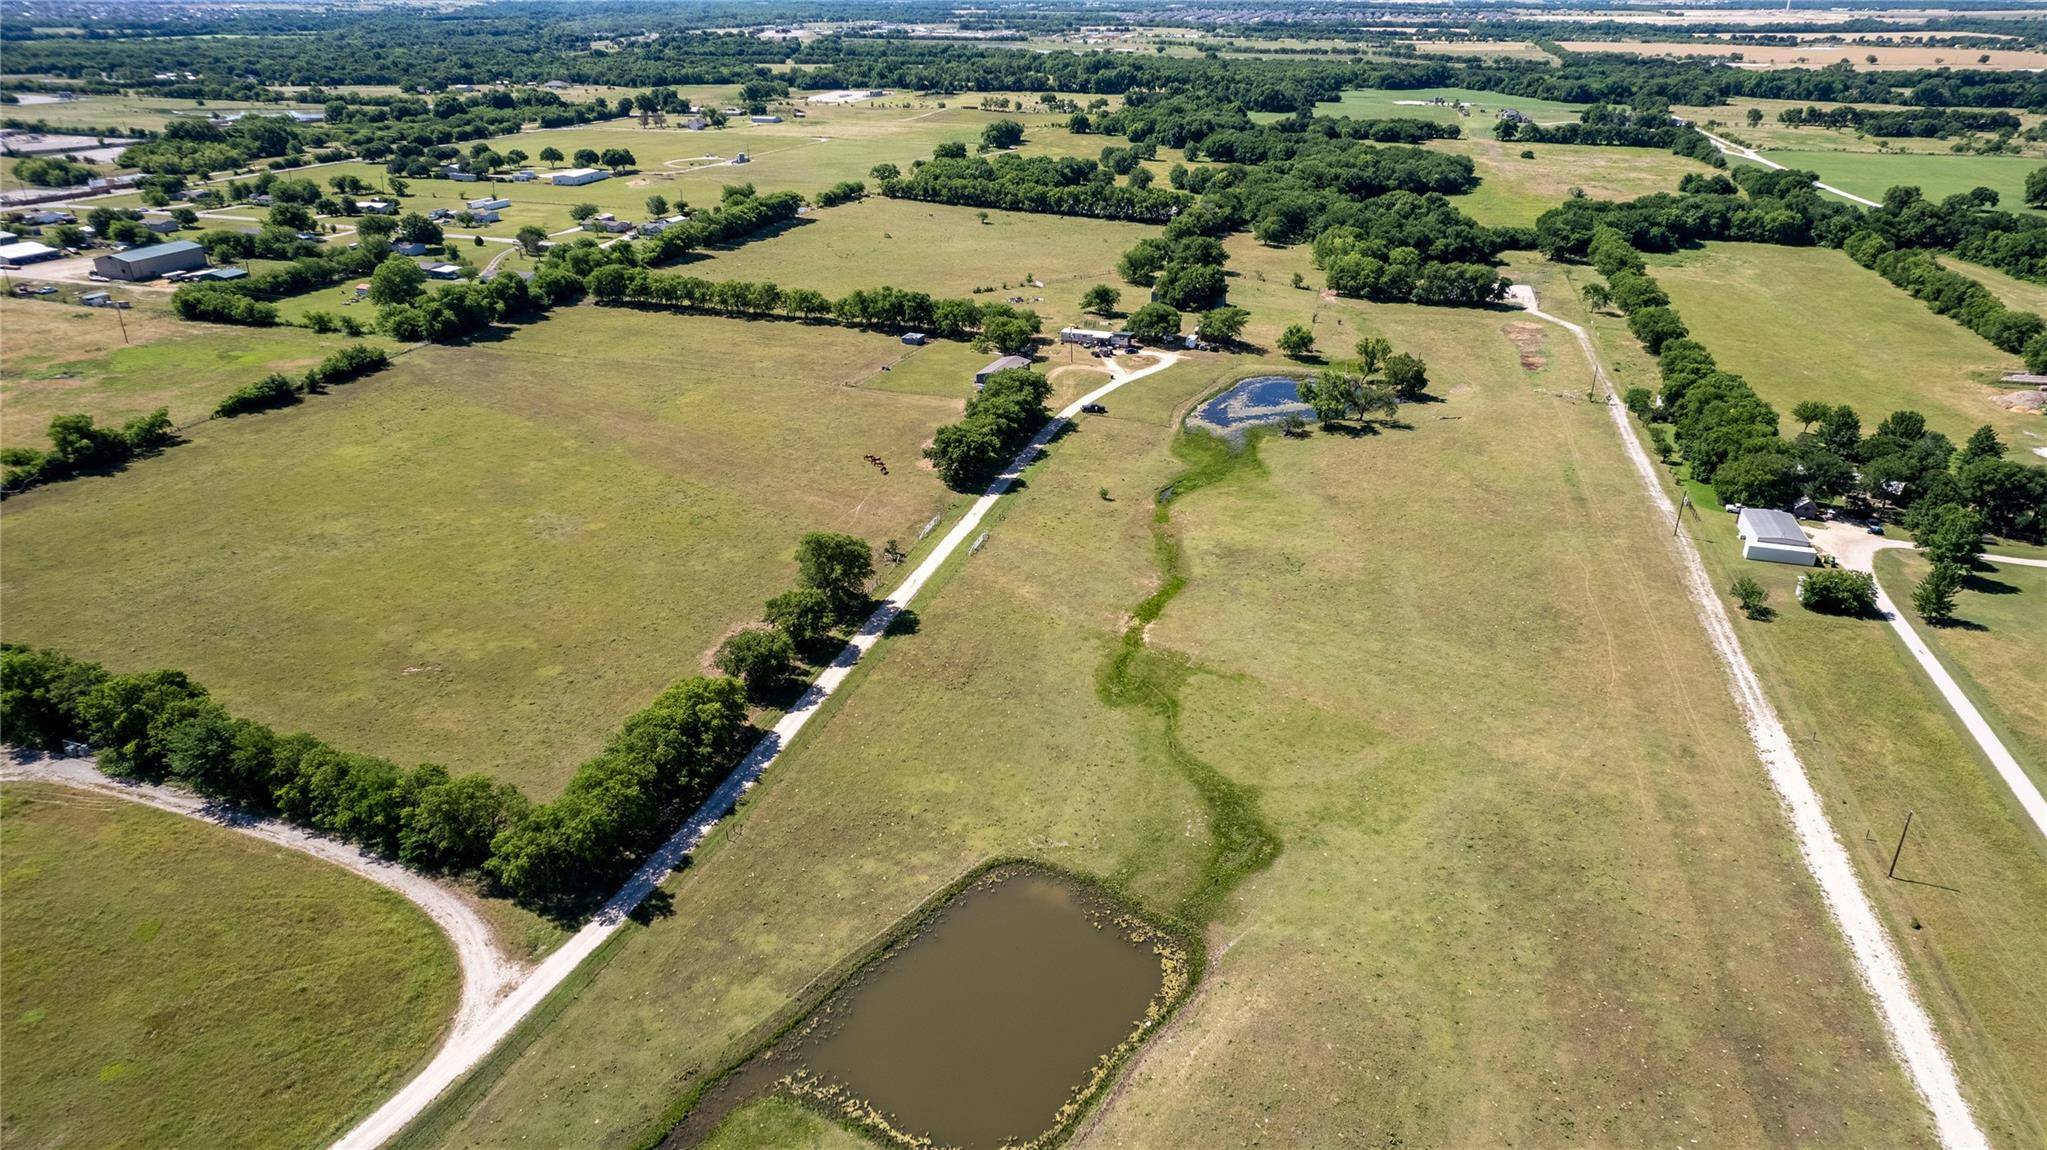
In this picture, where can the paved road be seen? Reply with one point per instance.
(457, 1057)
(486, 970)
(1856, 549)
(1737, 150)
(1905, 1021)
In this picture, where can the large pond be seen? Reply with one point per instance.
(990, 1025)
(1259, 400)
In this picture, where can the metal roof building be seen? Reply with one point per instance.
(26, 252)
(1773, 536)
(151, 262)
(1003, 364)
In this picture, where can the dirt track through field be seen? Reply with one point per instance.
(1905, 1021)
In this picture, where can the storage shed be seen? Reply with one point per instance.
(1773, 536)
(1003, 364)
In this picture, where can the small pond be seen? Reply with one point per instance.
(989, 1025)
(1259, 400)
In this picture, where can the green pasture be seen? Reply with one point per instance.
(62, 358)
(1993, 649)
(1808, 323)
(1937, 174)
(1515, 190)
(1455, 671)
(487, 555)
(1414, 104)
(173, 984)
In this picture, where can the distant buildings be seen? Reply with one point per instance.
(488, 203)
(573, 176)
(914, 338)
(444, 272)
(765, 119)
(1094, 337)
(151, 262)
(377, 207)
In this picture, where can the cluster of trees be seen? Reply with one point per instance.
(1730, 438)
(161, 726)
(456, 310)
(78, 446)
(833, 571)
(843, 192)
(1067, 186)
(1968, 224)
(52, 172)
(1954, 295)
(999, 421)
(1779, 207)
(1613, 127)
(280, 390)
(1376, 383)
(1183, 268)
(1404, 247)
(741, 214)
(218, 303)
(1924, 123)
(1001, 326)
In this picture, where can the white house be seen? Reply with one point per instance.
(1772, 536)
(377, 207)
(408, 248)
(26, 252)
(488, 203)
(573, 176)
(444, 272)
(524, 175)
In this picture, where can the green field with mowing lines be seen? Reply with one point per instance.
(1807, 323)
(1514, 191)
(1878, 742)
(1415, 104)
(172, 984)
(1939, 175)
(1460, 845)
(486, 555)
(62, 358)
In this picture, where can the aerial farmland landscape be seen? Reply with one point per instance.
(773, 575)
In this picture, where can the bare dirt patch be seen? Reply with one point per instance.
(1527, 340)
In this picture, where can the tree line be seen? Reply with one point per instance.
(280, 390)
(660, 764)
(1730, 438)
(1954, 295)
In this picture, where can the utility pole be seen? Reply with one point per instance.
(1684, 500)
(1893, 872)
(118, 307)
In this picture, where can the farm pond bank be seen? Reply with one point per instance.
(991, 1023)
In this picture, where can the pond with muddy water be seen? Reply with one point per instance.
(992, 1023)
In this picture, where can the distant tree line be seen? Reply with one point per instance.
(1069, 186)
(1954, 295)
(280, 390)
(1603, 125)
(1923, 123)
(1000, 326)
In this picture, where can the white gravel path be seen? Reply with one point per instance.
(457, 1057)
(1856, 550)
(1745, 153)
(1905, 1021)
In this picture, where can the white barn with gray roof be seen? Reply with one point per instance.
(1772, 536)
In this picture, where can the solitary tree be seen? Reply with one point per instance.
(581, 212)
(1222, 324)
(531, 237)
(839, 567)
(803, 614)
(396, 281)
(1002, 134)
(1934, 598)
(758, 657)
(551, 155)
(1407, 376)
(1297, 341)
(657, 205)
(586, 157)
(1100, 299)
(1755, 115)
(1753, 597)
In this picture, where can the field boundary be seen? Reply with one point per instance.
(1907, 1026)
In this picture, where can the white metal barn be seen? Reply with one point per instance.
(1774, 537)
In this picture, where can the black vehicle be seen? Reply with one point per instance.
(1094, 409)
